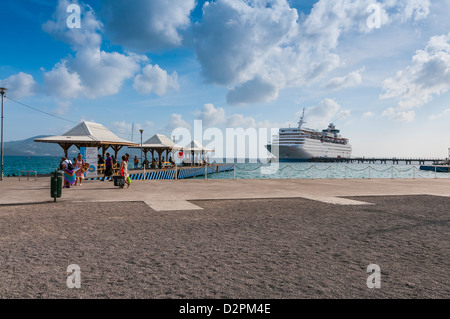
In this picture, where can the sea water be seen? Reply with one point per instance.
(45, 165)
(12, 165)
(328, 171)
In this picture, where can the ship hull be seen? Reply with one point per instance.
(309, 149)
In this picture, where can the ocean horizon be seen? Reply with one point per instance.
(247, 169)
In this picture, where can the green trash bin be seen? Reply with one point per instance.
(56, 182)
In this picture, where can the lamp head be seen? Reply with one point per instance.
(141, 130)
(3, 90)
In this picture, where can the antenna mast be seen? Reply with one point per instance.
(302, 120)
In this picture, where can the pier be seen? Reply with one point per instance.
(181, 172)
(374, 160)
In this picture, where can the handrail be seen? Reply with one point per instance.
(413, 171)
(28, 172)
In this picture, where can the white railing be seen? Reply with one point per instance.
(311, 172)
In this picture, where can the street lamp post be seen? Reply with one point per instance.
(142, 161)
(2, 92)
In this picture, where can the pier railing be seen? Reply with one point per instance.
(332, 172)
(374, 160)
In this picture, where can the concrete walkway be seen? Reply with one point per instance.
(174, 195)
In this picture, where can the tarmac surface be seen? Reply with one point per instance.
(226, 239)
(255, 248)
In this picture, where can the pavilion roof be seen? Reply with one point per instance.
(87, 133)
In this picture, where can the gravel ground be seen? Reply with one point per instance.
(273, 248)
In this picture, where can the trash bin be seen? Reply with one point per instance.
(56, 182)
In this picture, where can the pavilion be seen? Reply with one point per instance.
(197, 151)
(158, 143)
(88, 134)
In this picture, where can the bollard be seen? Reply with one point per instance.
(234, 171)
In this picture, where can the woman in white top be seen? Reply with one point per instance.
(124, 170)
(79, 173)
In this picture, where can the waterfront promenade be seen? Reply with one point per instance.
(174, 195)
(226, 239)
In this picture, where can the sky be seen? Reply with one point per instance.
(379, 70)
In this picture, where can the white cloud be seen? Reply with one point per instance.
(398, 115)
(86, 36)
(321, 115)
(210, 116)
(428, 75)
(147, 25)
(257, 48)
(438, 116)
(217, 117)
(253, 91)
(238, 43)
(156, 80)
(176, 121)
(239, 120)
(19, 85)
(124, 129)
(62, 83)
(410, 9)
(63, 107)
(93, 72)
(342, 115)
(351, 80)
(368, 115)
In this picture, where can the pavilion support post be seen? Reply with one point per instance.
(159, 157)
(66, 147)
(104, 149)
(117, 148)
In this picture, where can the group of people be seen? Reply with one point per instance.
(74, 172)
(109, 163)
(154, 163)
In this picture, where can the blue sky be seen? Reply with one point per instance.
(233, 63)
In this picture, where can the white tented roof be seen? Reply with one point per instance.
(196, 146)
(158, 141)
(86, 132)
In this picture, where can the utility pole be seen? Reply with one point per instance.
(2, 92)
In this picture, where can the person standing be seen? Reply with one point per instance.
(108, 166)
(136, 162)
(124, 171)
(69, 172)
(100, 160)
(79, 163)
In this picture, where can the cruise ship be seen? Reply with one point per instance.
(299, 144)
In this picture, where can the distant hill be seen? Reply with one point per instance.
(30, 148)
